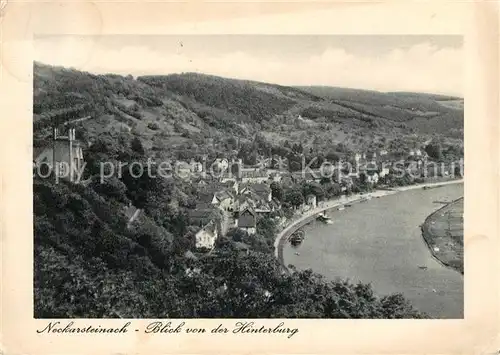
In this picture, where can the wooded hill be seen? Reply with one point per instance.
(201, 113)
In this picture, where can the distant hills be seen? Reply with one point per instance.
(169, 112)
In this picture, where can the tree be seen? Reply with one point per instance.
(112, 187)
(266, 226)
(136, 146)
(434, 151)
(237, 234)
(325, 180)
(294, 197)
(277, 191)
(396, 306)
(332, 157)
(314, 189)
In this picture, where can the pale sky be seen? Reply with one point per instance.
(376, 62)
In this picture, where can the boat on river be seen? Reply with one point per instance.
(324, 218)
(341, 208)
(297, 237)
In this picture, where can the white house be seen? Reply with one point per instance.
(384, 171)
(276, 177)
(224, 200)
(221, 164)
(253, 175)
(206, 237)
(372, 178)
(182, 169)
(196, 167)
(311, 201)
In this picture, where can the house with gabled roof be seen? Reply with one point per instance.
(200, 217)
(224, 200)
(260, 189)
(207, 236)
(247, 221)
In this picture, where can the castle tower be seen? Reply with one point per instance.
(67, 154)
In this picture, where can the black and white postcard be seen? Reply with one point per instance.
(216, 184)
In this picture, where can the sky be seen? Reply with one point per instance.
(375, 62)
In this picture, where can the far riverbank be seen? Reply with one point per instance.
(443, 233)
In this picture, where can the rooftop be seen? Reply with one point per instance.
(246, 221)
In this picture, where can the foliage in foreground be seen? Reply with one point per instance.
(89, 264)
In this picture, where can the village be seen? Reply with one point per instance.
(243, 194)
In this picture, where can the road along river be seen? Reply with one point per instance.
(380, 242)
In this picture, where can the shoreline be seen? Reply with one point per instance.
(425, 233)
(282, 236)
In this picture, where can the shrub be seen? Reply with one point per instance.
(153, 126)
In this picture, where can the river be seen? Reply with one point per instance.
(380, 242)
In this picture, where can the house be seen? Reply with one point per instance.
(182, 170)
(253, 175)
(207, 236)
(260, 203)
(276, 177)
(204, 206)
(279, 163)
(311, 201)
(243, 202)
(196, 167)
(262, 206)
(206, 197)
(231, 186)
(307, 176)
(247, 221)
(287, 180)
(372, 177)
(64, 155)
(260, 189)
(220, 164)
(371, 156)
(201, 217)
(384, 171)
(354, 174)
(346, 182)
(242, 247)
(224, 200)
